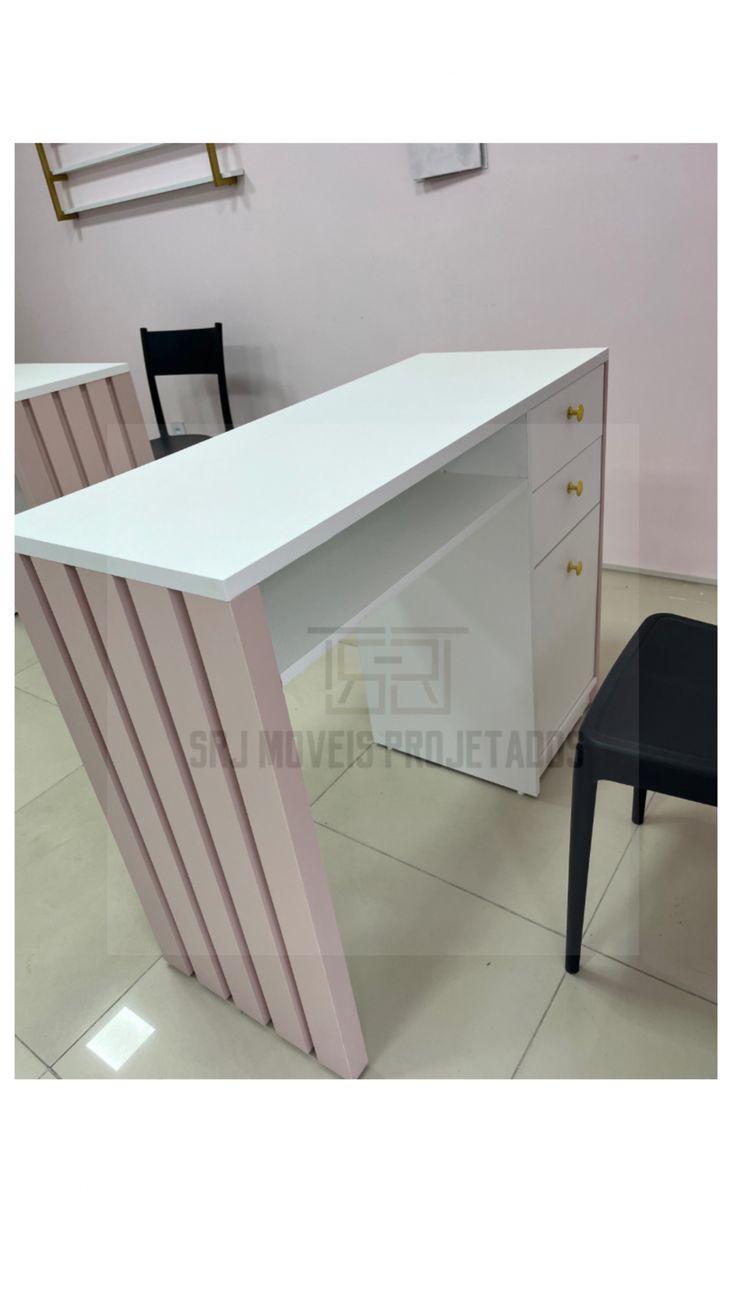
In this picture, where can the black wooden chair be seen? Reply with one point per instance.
(651, 726)
(177, 354)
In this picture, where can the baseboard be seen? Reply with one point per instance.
(652, 572)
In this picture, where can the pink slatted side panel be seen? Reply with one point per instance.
(78, 414)
(183, 679)
(78, 436)
(32, 466)
(130, 412)
(45, 412)
(112, 433)
(236, 647)
(89, 740)
(136, 674)
(78, 630)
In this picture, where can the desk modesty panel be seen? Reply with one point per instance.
(75, 424)
(168, 604)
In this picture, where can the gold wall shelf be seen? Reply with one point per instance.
(215, 177)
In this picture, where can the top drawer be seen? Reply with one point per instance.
(554, 438)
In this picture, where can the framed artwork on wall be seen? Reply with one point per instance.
(428, 161)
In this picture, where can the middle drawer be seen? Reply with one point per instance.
(555, 509)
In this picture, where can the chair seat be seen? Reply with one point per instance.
(162, 446)
(657, 709)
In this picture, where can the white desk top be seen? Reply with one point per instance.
(33, 379)
(223, 515)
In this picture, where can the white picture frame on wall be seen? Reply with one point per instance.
(427, 161)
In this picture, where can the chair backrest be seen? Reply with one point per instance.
(181, 353)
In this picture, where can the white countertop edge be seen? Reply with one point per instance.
(84, 372)
(208, 587)
(310, 540)
(228, 588)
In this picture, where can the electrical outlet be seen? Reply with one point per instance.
(178, 429)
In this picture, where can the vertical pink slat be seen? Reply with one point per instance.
(236, 647)
(68, 605)
(167, 631)
(66, 686)
(32, 467)
(58, 442)
(113, 436)
(136, 675)
(130, 412)
(79, 420)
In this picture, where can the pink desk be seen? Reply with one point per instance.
(168, 605)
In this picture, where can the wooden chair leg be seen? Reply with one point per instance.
(584, 788)
(638, 806)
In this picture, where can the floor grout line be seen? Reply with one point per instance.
(651, 975)
(25, 668)
(535, 1032)
(22, 691)
(475, 893)
(100, 1016)
(41, 1060)
(635, 833)
(443, 880)
(42, 699)
(341, 774)
(606, 888)
(531, 920)
(41, 793)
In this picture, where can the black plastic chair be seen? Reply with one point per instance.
(653, 726)
(177, 354)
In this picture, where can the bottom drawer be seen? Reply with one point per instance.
(564, 624)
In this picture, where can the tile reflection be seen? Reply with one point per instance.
(119, 1038)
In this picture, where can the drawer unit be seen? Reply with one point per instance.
(565, 499)
(564, 613)
(563, 425)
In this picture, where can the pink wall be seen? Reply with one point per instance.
(330, 262)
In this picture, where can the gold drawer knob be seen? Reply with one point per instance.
(576, 486)
(578, 413)
(577, 568)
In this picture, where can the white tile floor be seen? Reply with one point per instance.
(450, 895)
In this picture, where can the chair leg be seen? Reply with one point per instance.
(584, 788)
(638, 806)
